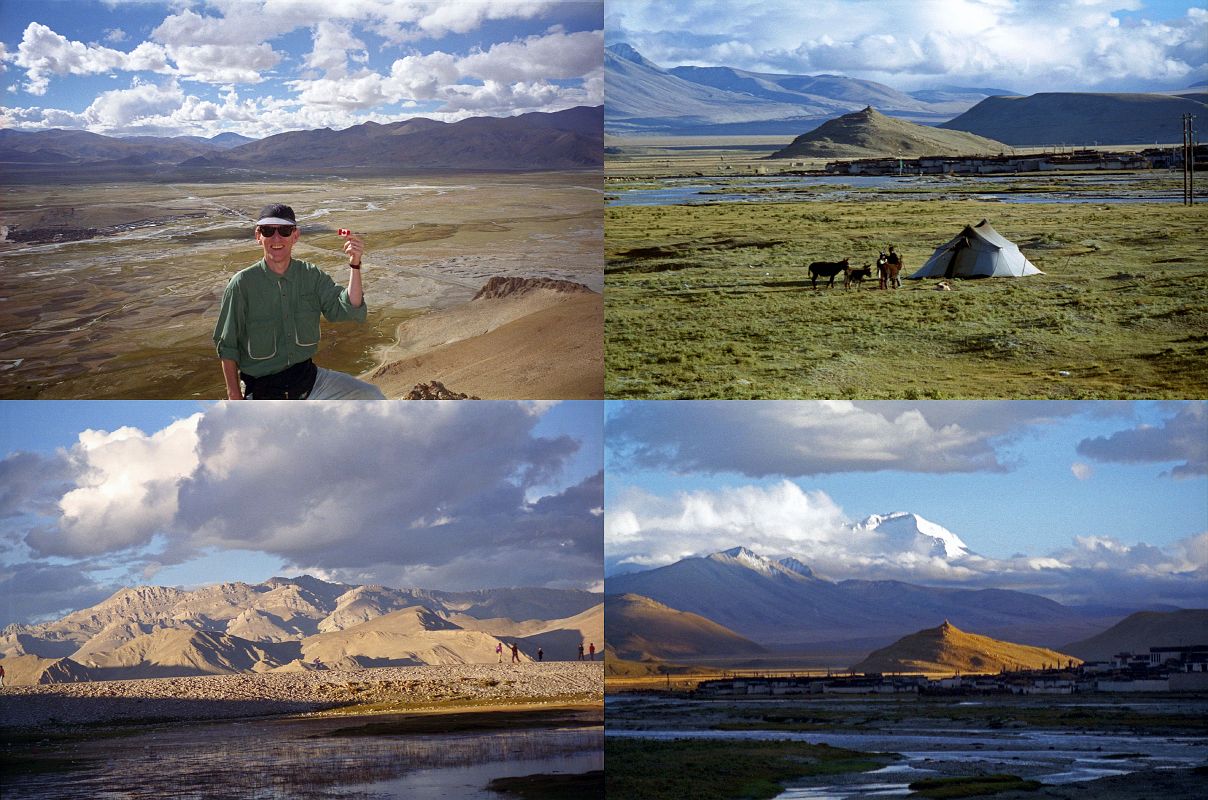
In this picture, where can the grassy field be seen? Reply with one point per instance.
(714, 301)
(719, 770)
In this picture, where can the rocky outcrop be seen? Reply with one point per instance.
(515, 287)
(435, 390)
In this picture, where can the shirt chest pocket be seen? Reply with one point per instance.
(306, 320)
(261, 336)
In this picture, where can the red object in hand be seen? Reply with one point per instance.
(344, 232)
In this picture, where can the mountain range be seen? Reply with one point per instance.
(295, 623)
(1079, 118)
(642, 97)
(783, 604)
(570, 139)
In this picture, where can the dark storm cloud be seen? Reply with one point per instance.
(1182, 438)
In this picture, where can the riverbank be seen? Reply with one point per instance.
(380, 690)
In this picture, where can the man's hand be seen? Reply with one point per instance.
(354, 248)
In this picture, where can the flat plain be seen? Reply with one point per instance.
(708, 291)
(128, 312)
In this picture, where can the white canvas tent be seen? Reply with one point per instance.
(977, 252)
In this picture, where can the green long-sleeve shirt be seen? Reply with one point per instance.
(268, 322)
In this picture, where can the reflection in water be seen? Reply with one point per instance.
(267, 759)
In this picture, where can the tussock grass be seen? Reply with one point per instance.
(971, 786)
(714, 301)
(719, 770)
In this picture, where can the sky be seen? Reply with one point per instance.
(1022, 46)
(95, 496)
(1095, 502)
(260, 67)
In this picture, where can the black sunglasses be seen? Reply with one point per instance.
(286, 231)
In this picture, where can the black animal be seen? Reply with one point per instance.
(826, 269)
(856, 276)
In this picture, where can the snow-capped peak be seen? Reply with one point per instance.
(744, 557)
(793, 565)
(785, 568)
(922, 533)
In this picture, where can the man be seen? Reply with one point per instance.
(268, 325)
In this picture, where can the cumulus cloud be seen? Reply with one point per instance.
(644, 530)
(125, 486)
(232, 44)
(794, 438)
(387, 490)
(45, 54)
(1082, 471)
(1015, 44)
(1181, 438)
(551, 57)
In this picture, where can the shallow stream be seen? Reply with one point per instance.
(271, 759)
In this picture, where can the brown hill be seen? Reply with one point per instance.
(638, 628)
(409, 637)
(1054, 118)
(869, 134)
(948, 649)
(519, 338)
(1143, 630)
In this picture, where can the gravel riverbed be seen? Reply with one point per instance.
(253, 695)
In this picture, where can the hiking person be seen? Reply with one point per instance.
(499, 651)
(515, 653)
(580, 651)
(268, 324)
(1, 675)
(592, 650)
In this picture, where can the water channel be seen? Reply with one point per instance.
(1116, 188)
(295, 758)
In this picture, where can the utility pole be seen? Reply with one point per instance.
(1188, 159)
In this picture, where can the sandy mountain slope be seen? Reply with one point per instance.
(1143, 630)
(948, 649)
(28, 670)
(411, 636)
(531, 339)
(559, 638)
(640, 628)
(181, 652)
(869, 133)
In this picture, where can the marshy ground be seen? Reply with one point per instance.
(853, 747)
(713, 300)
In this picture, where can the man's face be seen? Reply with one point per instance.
(277, 248)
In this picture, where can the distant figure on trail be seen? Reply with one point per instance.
(580, 651)
(515, 653)
(268, 325)
(499, 651)
(540, 654)
(1, 675)
(592, 650)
